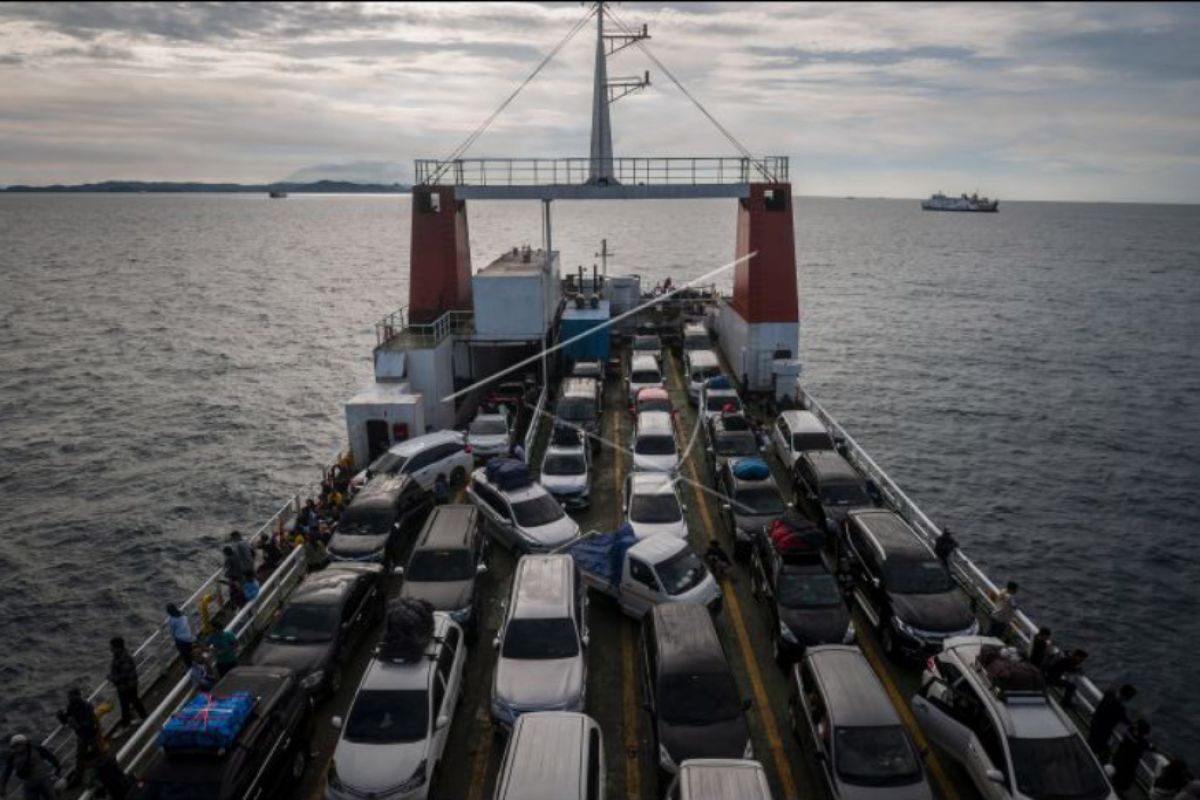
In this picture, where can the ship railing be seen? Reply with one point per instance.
(534, 422)
(632, 170)
(973, 580)
(397, 325)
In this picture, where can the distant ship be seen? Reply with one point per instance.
(278, 195)
(940, 202)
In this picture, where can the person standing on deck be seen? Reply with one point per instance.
(1005, 611)
(224, 646)
(1110, 712)
(1060, 670)
(181, 633)
(244, 555)
(1129, 752)
(233, 571)
(81, 718)
(945, 545)
(1040, 647)
(35, 767)
(123, 675)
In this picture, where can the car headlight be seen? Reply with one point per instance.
(786, 634)
(417, 779)
(314, 679)
(665, 761)
(850, 633)
(904, 628)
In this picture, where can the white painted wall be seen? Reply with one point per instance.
(431, 373)
(386, 401)
(750, 348)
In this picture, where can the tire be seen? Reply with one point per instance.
(458, 476)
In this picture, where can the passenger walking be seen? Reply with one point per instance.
(233, 570)
(1171, 780)
(1006, 609)
(1061, 669)
(224, 646)
(717, 559)
(1110, 712)
(181, 633)
(35, 767)
(81, 718)
(123, 675)
(1039, 647)
(1133, 745)
(945, 545)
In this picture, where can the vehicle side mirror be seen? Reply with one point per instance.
(481, 569)
(442, 721)
(995, 776)
(585, 639)
(336, 722)
(496, 643)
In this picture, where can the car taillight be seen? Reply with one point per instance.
(467, 449)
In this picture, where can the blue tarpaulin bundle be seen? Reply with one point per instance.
(719, 382)
(508, 473)
(751, 469)
(207, 722)
(603, 553)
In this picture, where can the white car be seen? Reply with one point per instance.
(699, 366)
(643, 373)
(526, 519)
(652, 506)
(393, 737)
(566, 474)
(442, 454)
(654, 448)
(795, 432)
(489, 434)
(715, 401)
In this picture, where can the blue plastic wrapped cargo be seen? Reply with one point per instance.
(577, 321)
(603, 554)
(207, 722)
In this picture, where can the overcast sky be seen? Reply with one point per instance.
(1074, 101)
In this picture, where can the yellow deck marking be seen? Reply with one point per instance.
(633, 776)
(778, 756)
(934, 765)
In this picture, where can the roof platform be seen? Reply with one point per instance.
(634, 178)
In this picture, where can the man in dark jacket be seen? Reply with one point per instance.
(1109, 713)
(122, 673)
(36, 768)
(80, 717)
(244, 555)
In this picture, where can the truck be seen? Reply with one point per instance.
(639, 574)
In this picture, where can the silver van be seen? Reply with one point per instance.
(844, 718)
(695, 337)
(553, 755)
(579, 404)
(541, 666)
(700, 365)
(720, 779)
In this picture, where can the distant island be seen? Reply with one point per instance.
(163, 187)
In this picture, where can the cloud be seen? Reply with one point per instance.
(1101, 97)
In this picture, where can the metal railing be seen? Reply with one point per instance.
(977, 585)
(426, 334)
(677, 171)
(535, 423)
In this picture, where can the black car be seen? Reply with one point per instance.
(381, 521)
(729, 436)
(268, 759)
(326, 616)
(901, 586)
(445, 563)
(804, 601)
(689, 690)
(828, 487)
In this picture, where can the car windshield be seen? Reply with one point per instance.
(647, 343)
(388, 717)
(811, 441)
(576, 409)
(588, 369)
(488, 427)
(681, 572)
(655, 508)
(697, 341)
(698, 699)
(540, 510)
(876, 756)
(440, 565)
(303, 622)
(735, 444)
(367, 519)
(845, 494)
(1057, 769)
(701, 374)
(720, 401)
(927, 576)
(654, 404)
(179, 790)
(541, 639)
(645, 376)
(656, 445)
(808, 590)
(564, 464)
(388, 464)
(758, 501)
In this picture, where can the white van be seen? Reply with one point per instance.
(700, 366)
(695, 337)
(553, 755)
(643, 372)
(720, 779)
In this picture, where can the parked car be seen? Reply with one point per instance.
(652, 505)
(525, 519)
(842, 715)
(796, 432)
(393, 737)
(270, 754)
(324, 619)
(901, 586)
(718, 396)
(828, 488)
(644, 372)
(652, 398)
(752, 500)
(720, 779)
(576, 770)
(695, 337)
(566, 472)
(699, 366)
(648, 345)
(802, 597)
(442, 454)
(588, 368)
(579, 404)
(381, 521)
(541, 641)
(689, 690)
(729, 436)
(490, 434)
(1015, 743)
(446, 563)
(653, 442)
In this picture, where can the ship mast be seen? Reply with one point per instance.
(605, 93)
